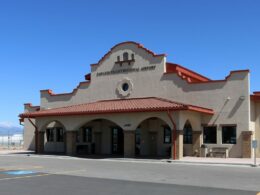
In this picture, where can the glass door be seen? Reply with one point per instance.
(117, 141)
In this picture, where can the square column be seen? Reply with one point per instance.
(247, 137)
(71, 137)
(40, 144)
(129, 143)
(196, 142)
(179, 145)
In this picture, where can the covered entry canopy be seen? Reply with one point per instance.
(151, 104)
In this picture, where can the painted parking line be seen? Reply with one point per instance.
(19, 168)
(41, 175)
(19, 172)
(23, 177)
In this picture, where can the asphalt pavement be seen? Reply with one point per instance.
(61, 175)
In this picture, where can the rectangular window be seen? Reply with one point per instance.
(229, 134)
(87, 134)
(59, 134)
(50, 134)
(210, 135)
(167, 138)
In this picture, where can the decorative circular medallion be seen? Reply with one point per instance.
(125, 87)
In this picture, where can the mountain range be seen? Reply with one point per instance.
(10, 129)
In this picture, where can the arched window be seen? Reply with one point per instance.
(167, 138)
(133, 56)
(187, 133)
(59, 134)
(55, 134)
(125, 56)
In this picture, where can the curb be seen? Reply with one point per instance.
(213, 163)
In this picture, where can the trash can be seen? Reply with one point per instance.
(203, 151)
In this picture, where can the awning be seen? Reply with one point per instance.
(151, 104)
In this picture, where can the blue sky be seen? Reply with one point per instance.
(49, 44)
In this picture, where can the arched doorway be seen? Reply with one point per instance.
(153, 138)
(54, 137)
(100, 136)
(187, 139)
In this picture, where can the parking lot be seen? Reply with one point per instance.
(35, 174)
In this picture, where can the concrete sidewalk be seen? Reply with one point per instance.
(224, 161)
(185, 160)
(6, 151)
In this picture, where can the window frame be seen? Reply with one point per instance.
(59, 135)
(165, 129)
(189, 136)
(222, 135)
(50, 134)
(125, 56)
(216, 136)
(87, 135)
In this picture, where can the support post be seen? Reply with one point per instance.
(174, 136)
(71, 138)
(35, 135)
(196, 142)
(40, 142)
(129, 143)
(246, 144)
(179, 144)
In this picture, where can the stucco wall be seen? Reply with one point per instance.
(170, 86)
(228, 98)
(28, 137)
(29, 129)
(257, 125)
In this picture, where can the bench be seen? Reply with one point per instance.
(219, 152)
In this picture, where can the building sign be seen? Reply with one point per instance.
(254, 144)
(126, 70)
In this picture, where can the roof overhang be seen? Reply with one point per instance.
(255, 96)
(151, 104)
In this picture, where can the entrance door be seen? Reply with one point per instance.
(153, 143)
(117, 141)
(98, 137)
(137, 141)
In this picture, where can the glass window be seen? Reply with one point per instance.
(210, 135)
(138, 136)
(125, 56)
(229, 134)
(187, 134)
(133, 56)
(59, 134)
(87, 134)
(50, 134)
(167, 138)
(125, 86)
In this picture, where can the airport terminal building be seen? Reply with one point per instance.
(135, 103)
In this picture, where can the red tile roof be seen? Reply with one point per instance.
(189, 75)
(117, 106)
(256, 96)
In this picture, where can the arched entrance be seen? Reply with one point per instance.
(100, 136)
(187, 139)
(54, 137)
(153, 138)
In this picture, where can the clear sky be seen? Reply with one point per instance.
(49, 44)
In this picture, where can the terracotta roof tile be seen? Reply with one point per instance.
(117, 106)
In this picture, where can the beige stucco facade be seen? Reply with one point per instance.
(146, 75)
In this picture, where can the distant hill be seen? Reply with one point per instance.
(9, 129)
